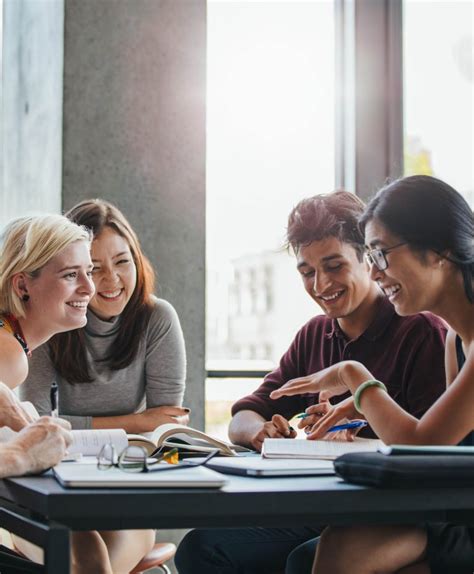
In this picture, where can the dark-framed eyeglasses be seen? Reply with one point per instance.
(378, 257)
(135, 459)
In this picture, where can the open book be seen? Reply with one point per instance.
(89, 442)
(322, 449)
(185, 439)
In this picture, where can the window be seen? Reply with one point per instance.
(438, 91)
(270, 142)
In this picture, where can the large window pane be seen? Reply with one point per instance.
(270, 142)
(438, 100)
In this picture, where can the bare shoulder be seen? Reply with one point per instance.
(13, 361)
(466, 374)
(451, 363)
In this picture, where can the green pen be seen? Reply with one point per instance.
(302, 416)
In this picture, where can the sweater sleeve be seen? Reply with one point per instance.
(165, 357)
(36, 388)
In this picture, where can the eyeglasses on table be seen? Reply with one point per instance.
(136, 459)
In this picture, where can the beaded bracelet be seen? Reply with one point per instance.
(361, 389)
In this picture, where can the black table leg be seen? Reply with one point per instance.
(53, 537)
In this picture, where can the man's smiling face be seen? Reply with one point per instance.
(334, 276)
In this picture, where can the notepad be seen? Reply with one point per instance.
(89, 442)
(407, 449)
(81, 475)
(316, 449)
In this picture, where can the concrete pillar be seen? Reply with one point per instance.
(31, 107)
(134, 134)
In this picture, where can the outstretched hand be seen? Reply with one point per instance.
(328, 380)
(335, 380)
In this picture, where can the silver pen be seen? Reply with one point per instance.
(54, 399)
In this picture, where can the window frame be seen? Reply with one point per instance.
(369, 105)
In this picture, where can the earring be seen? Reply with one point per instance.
(25, 297)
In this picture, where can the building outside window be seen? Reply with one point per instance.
(270, 143)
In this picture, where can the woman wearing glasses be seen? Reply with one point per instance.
(419, 234)
(126, 367)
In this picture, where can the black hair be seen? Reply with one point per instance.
(428, 214)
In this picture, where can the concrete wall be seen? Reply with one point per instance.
(134, 134)
(32, 107)
(125, 121)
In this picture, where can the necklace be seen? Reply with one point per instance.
(16, 330)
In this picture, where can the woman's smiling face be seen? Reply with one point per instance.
(114, 274)
(60, 292)
(412, 280)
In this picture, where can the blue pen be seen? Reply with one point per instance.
(351, 425)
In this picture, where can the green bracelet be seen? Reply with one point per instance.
(361, 389)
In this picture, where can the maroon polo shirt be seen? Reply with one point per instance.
(406, 353)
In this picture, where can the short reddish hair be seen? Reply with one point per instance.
(333, 214)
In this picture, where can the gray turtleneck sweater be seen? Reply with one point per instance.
(156, 377)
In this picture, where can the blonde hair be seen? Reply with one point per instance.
(27, 245)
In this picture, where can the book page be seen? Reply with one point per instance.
(179, 435)
(30, 409)
(89, 441)
(323, 449)
(7, 434)
(142, 441)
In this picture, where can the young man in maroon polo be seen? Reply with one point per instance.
(358, 323)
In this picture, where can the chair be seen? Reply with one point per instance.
(156, 558)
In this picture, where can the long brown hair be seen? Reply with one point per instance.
(68, 350)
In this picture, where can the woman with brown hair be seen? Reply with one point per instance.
(126, 368)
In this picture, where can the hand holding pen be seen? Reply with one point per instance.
(344, 426)
(323, 418)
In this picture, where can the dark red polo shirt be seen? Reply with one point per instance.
(406, 353)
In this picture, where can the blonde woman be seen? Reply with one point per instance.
(45, 287)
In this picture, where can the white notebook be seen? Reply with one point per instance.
(79, 475)
(322, 449)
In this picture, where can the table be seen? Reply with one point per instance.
(53, 510)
